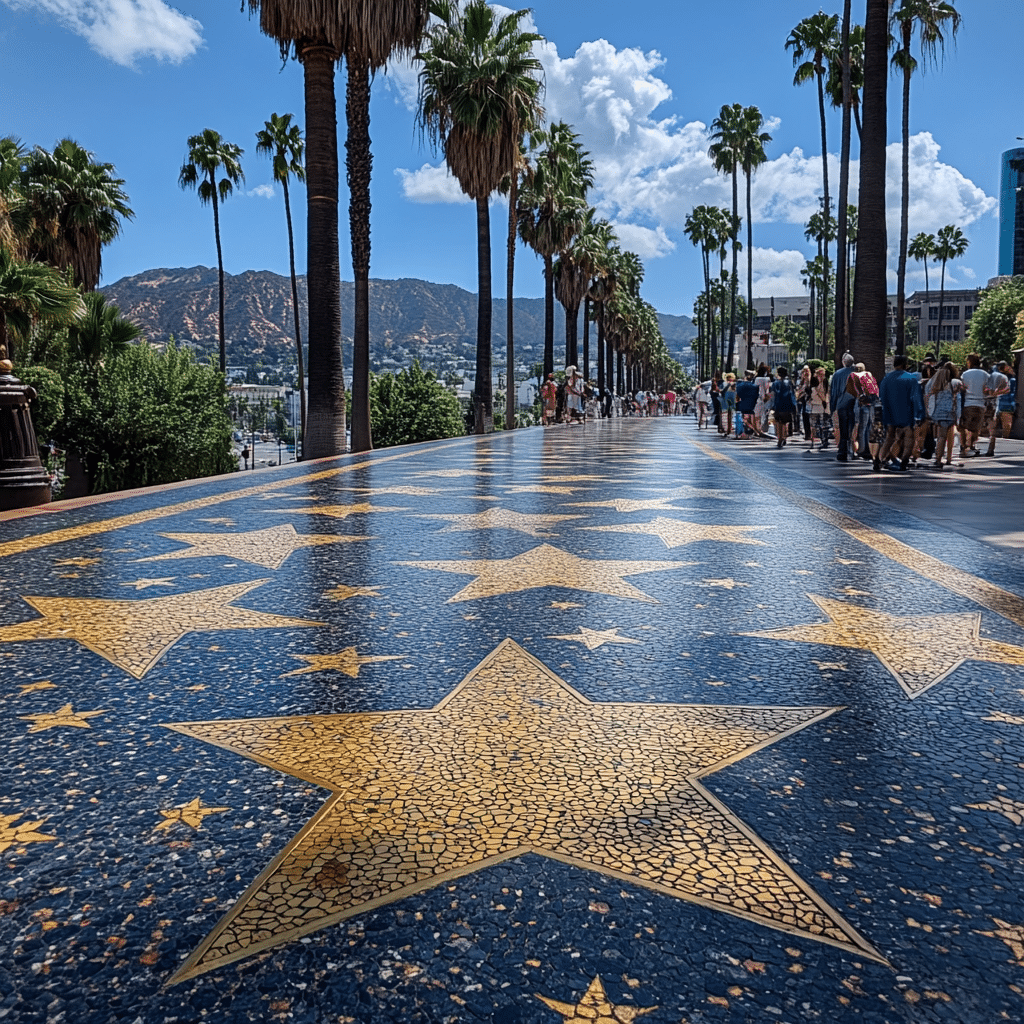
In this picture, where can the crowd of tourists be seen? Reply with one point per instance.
(913, 417)
(574, 400)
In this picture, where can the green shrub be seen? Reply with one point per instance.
(412, 406)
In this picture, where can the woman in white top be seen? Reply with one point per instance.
(817, 408)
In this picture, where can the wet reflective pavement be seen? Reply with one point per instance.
(591, 723)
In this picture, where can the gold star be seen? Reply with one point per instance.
(499, 519)
(849, 561)
(145, 584)
(512, 761)
(854, 592)
(348, 661)
(686, 491)
(1010, 809)
(594, 638)
(1012, 935)
(539, 489)
(830, 666)
(80, 562)
(409, 489)
(340, 511)
(1002, 716)
(190, 814)
(15, 835)
(451, 474)
(677, 532)
(343, 592)
(559, 478)
(219, 521)
(134, 635)
(65, 716)
(630, 504)
(726, 584)
(896, 641)
(268, 548)
(196, 688)
(563, 606)
(595, 1008)
(33, 687)
(546, 566)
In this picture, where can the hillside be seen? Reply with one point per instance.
(435, 323)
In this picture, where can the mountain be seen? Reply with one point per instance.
(409, 319)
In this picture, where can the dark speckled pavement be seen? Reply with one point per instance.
(577, 724)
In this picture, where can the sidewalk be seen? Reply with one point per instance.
(557, 725)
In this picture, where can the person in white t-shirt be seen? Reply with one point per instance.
(1001, 388)
(702, 398)
(975, 381)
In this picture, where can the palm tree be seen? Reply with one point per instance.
(822, 231)
(854, 52)
(479, 89)
(814, 42)
(282, 140)
(75, 206)
(751, 149)
(927, 17)
(552, 209)
(572, 273)
(708, 227)
(603, 284)
(922, 248)
(13, 204)
(102, 332)
(870, 302)
(846, 102)
(208, 153)
(317, 34)
(950, 244)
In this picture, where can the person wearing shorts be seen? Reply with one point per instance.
(784, 405)
(975, 380)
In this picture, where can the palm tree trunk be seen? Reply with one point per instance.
(586, 337)
(549, 319)
(735, 257)
(359, 165)
(325, 421)
(220, 278)
(510, 275)
(869, 294)
(483, 411)
(572, 333)
(750, 280)
(901, 269)
(842, 282)
(827, 210)
(299, 448)
(813, 334)
(942, 299)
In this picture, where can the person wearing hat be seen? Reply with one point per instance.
(549, 400)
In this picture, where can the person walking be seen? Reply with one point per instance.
(574, 395)
(702, 398)
(803, 397)
(944, 397)
(975, 380)
(866, 402)
(716, 399)
(746, 403)
(729, 403)
(1002, 385)
(784, 405)
(902, 410)
(549, 400)
(763, 380)
(842, 398)
(817, 408)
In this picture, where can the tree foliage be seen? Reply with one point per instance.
(412, 406)
(992, 331)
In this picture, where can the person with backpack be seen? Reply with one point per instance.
(944, 398)
(784, 405)
(1002, 385)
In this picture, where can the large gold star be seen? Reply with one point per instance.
(348, 661)
(340, 511)
(134, 635)
(630, 504)
(513, 761)
(547, 566)
(592, 639)
(409, 489)
(499, 519)
(677, 532)
(595, 1008)
(190, 814)
(268, 548)
(15, 835)
(62, 717)
(896, 641)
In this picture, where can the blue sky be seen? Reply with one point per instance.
(131, 79)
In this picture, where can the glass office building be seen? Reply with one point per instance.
(1011, 213)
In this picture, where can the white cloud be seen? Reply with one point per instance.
(431, 184)
(262, 192)
(776, 272)
(647, 243)
(125, 30)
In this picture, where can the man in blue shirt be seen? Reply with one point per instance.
(902, 410)
(746, 403)
(843, 402)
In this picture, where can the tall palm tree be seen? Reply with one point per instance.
(316, 33)
(821, 230)
(870, 301)
(552, 209)
(846, 103)
(573, 270)
(927, 18)
(208, 153)
(950, 244)
(751, 149)
(709, 228)
(922, 248)
(834, 82)
(478, 92)
(814, 42)
(282, 141)
(603, 283)
(75, 206)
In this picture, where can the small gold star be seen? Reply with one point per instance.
(547, 566)
(563, 606)
(196, 688)
(15, 835)
(558, 478)
(190, 814)
(341, 511)
(854, 592)
(145, 584)
(219, 521)
(595, 1008)
(80, 562)
(409, 489)
(677, 532)
(499, 519)
(830, 666)
(849, 561)
(594, 638)
(343, 592)
(33, 687)
(724, 584)
(268, 548)
(348, 661)
(65, 716)
(1012, 935)
(631, 504)
(539, 489)
(451, 474)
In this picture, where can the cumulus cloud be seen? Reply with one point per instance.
(431, 184)
(125, 30)
(647, 243)
(262, 192)
(778, 272)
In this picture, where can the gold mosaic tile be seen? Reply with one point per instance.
(347, 661)
(631, 504)
(267, 548)
(547, 566)
(16, 835)
(500, 519)
(896, 641)
(595, 1008)
(512, 761)
(62, 717)
(134, 635)
(191, 814)
(677, 532)
(592, 639)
